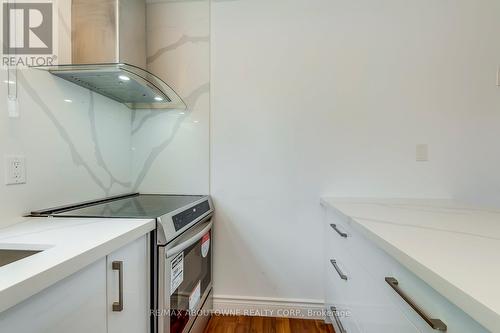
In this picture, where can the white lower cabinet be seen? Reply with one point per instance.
(131, 315)
(83, 302)
(358, 284)
(342, 319)
(76, 304)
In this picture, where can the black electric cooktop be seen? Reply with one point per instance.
(127, 206)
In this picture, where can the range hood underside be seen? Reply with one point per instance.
(127, 84)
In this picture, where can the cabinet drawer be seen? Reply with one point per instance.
(362, 251)
(382, 319)
(433, 304)
(349, 286)
(369, 256)
(334, 241)
(342, 319)
(380, 265)
(369, 319)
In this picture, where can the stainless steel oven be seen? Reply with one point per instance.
(180, 253)
(185, 281)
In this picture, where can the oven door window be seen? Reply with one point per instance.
(191, 272)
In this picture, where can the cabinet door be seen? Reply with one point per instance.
(134, 314)
(76, 304)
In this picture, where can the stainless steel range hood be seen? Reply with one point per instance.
(108, 55)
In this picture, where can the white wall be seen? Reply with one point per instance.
(323, 97)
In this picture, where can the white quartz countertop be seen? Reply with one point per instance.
(68, 244)
(453, 247)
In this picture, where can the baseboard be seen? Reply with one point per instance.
(268, 307)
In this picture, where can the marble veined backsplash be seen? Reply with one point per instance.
(80, 145)
(171, 148)
(76, 144)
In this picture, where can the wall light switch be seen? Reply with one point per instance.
(498, 76)
(422, 153)
(15, 170)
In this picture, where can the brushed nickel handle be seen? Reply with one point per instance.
(342, 234)
(337, 268)
(337, 320)
(118, 266)
(434, 323)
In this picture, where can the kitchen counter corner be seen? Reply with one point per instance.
(67, 244)
(461, 243)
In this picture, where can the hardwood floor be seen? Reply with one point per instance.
(240, 324)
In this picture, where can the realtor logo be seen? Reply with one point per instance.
(29, 33)
(27, 28)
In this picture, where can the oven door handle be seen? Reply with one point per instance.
(205, 227)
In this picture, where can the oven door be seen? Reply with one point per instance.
(185, 280)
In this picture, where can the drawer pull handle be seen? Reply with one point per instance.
(337, 268)
(342, 234)
(337, 320)
(434, 323)
(118, 266)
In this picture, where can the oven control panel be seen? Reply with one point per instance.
(186, 217)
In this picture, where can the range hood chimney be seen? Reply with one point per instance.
(108, 55)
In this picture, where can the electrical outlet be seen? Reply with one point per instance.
(15, 170)
(422, 153)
